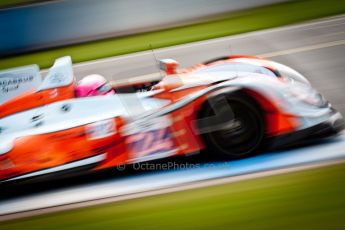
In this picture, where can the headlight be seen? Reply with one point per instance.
(307, 95)
(100, 129)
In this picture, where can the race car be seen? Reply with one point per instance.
(231, 107)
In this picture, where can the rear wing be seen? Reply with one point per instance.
(16, 81)
(59, 75)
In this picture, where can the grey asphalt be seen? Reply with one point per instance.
(316, 49)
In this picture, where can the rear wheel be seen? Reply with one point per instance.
(232, 126)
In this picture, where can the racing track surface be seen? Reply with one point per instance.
(316, 49)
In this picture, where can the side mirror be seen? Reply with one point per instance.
(169, 66)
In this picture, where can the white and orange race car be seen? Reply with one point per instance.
(233, 106)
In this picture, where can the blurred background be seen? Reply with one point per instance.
(49, 24)
(114, 38)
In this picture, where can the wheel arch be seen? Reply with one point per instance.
(276, 121)
(238, 91)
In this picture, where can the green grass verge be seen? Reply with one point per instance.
(11, 3)
(311, 199)
(234, 23)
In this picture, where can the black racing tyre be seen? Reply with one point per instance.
(238, 129)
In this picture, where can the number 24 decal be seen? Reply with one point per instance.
(151, 142)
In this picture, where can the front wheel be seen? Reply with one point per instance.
(232, 126)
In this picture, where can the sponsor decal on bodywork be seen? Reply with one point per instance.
(150, 139)
(14, 82)
(100, 129)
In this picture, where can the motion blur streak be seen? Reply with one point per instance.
(303, 49)
(326, 151)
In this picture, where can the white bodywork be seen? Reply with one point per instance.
(73, 113)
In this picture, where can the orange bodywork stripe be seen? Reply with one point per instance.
(35, 99)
